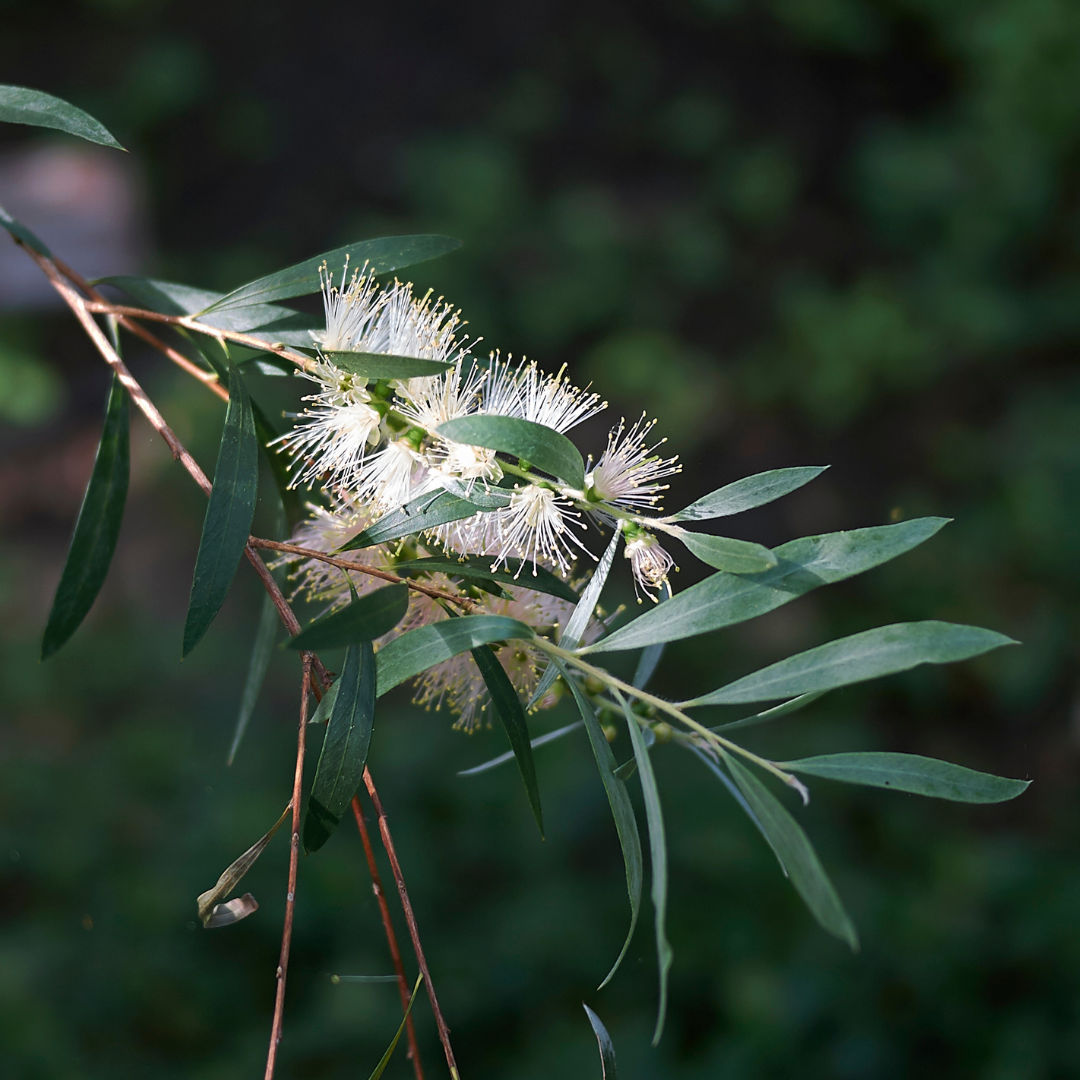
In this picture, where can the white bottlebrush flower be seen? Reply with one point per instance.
(650, 563)
(393, 476)
(432, 400)
(629, 471)
(351, 308)
(531, 394)
(535, 527)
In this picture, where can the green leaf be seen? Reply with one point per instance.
(257, 665)
(417, 650)
(785, 708)
(345, 746)
(885, 650)
(580, 616)
(18, 105)
(731, 789)
(279, 470)
(21, 232)
(657, 857)
(385, 1059)
(547, 449)
(911, 773)
(371, 365)
(796, 854)
(607, 1048)
(321, 715)
(382, 255)
(364, 619)
(650, 656)
(748, 493)
(423, 513)
(97, 527)
(229, 512)
(477, 567)
(508, 708)
(734, 556)
(540, 740)
(726, 599)
(622, 811)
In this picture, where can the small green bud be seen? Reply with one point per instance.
(610, 732)
(593, 685)
(663, 732)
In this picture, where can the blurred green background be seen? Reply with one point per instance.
(798, 232)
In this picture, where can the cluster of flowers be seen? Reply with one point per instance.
(373, 446)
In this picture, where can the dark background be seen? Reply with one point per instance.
(798, 232)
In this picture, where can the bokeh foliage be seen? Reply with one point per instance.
(798, 232)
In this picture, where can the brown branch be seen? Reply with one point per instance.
(391, 937)
(294, 857)
(410, 918)
(362, 568)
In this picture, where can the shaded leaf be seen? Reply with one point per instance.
(97, 527)
(607, 1048)
(796, 854)
(733, 791)
(547, 449)
(425, 512)
(19, 105)
(884, 650)
(381, 255)
(803, 565)
(417, 650)
(508, 708)
(321, 715)
(385, 1059)
(734, 556)
(912, 773)
(265, 637)
(229, 513)
(384, 366)
(785, 708)
(364, 619)
(651, 654)
(622, 811)
(21, 232)
(345, 746)
(518, 572)
(279, 469)
(233, 873)
(748, 493)
(540, 740)
(658, 860)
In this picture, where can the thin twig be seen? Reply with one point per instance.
(294, 858)
(362, 568)
(410, 918)
(391, 937)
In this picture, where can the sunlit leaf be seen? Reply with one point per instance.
(547, 449)
(385, 1059)
(519, 572)
(724, 553)
(345, 746)
(417, 650)
(384, 366)
(380, 255)
(795, 853)
(912, 773)
(97, 528)
(229, 513)
(748, 493)
(425, 512)
(364, 619)
(508, 709)
(607, 1048)
(726, 599)
(19, 105)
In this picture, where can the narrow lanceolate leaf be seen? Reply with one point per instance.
(580, 616)
(381, 256)
(734, 556)
(885, 650)
(97, 527)
(257, 665)
(384, 366)
(785, 708)
(345, 747)
(518, 572)
(275, 458)
(803, 565)
(733, 791)
(796, 854)
(366, 618)
(912, 773)
(540, 740)
(607, 1047)
(227, 524)
(547, 449)
(508, 709)
(385, 1059)
(21, 232)
(18, 105)
(748, 493)
(425, 512)
(426, 646)
(650, 655)
(622, 811)
(658, 859)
